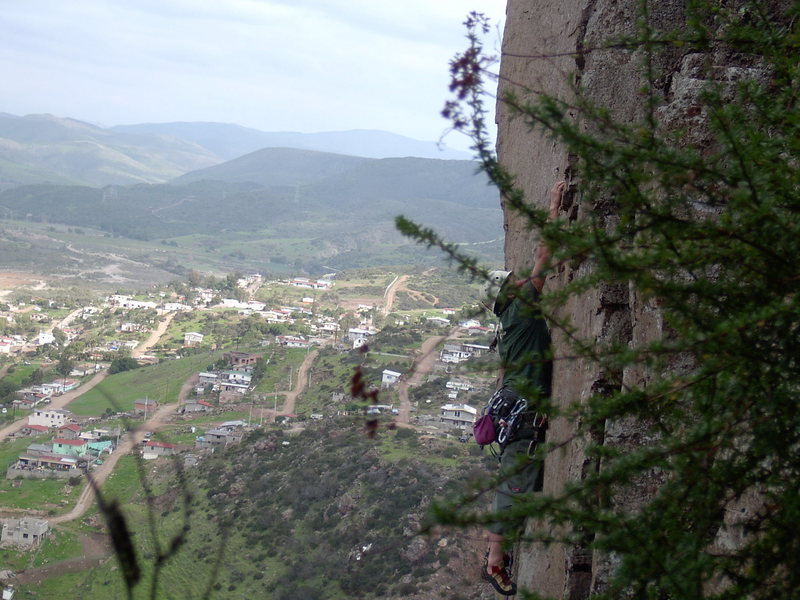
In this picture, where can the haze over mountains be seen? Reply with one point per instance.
(230, 141)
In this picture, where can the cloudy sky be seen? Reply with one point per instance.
(275, 65)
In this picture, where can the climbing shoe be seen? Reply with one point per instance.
(499, 576)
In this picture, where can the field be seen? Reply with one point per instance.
(160, 382)
(86, 257)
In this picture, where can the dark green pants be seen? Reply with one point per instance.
(518, 472)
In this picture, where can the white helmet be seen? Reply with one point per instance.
(491, 289)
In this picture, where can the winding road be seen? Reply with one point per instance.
(132, 438)
(127, 443)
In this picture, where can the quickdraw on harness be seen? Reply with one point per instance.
(506, 418)
(509, 425)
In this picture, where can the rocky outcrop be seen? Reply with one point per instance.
(548, 44)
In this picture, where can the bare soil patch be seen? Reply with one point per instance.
(11, 280)
(96, 550)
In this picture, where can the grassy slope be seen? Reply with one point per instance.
(161, 382)
(263, 510)
(344, 221)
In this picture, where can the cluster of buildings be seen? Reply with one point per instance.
(235, 380)
(16, 343)
(458, 352)
(68, 453)
(11, 343)
(474, 327)
(292, 341)
(37, 395)
(311, 284)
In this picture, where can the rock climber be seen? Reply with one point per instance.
(524, 349)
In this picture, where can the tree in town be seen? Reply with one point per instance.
(64, 365)
(122, 363)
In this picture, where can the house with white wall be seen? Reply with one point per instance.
(389, 378)
(192, 338)
(462, 416)
(55, 417)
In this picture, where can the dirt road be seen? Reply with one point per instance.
(154, 337)
(302, 381)
(160, 418)
(57, 402)
(67, 321)
(391, 291)
(128, 442)
(422, 366)
(96, 549)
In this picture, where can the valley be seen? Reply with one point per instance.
(304, 339)
(178, 352)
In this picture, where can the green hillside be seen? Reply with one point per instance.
(327, 513)
(278, 166)
(44, 148)
(270, 210)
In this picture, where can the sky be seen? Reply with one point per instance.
(273, 65)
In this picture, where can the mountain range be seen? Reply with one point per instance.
(267, 210)
(48, 149)
(230, 141)
(327, 196)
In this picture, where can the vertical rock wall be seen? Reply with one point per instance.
(540, 43)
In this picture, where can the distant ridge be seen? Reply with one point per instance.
(231, 141)
(302, 193)
(278, 166)
(341, 180)
(45, 149)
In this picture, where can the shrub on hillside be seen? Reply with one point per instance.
(122, 363)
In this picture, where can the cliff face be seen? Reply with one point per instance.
(547, 42)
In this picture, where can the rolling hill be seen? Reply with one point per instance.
(44, 149)
(47, 149)
(279, 207)
(231, 141)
